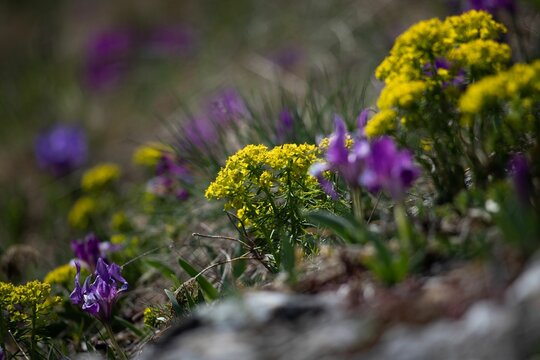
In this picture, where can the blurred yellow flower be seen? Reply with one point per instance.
(81, 211)
(99, 176)
(149, 154)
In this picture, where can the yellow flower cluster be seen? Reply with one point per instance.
(256, 180)
(22, 302)
(482, 55)
(432, 39)
(384, 122)
(465, 43)
(62, 275)
(99, 176)
(515, 91)
(149, 154)
(81, 212)
(401, 94)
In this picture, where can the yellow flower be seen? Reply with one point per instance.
(382, 123)
(119, 221)
(118, 239)
(24, 300)
(99, 176)
(81, 211)
(401, 94)
(150, 153)
(63, 275)
(255, 181)
(516, 92)
(484, 55)
(432, 39)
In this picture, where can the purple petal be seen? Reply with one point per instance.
(337, 150)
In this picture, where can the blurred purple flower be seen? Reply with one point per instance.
(91, 248)
(458, 79)
(521, 177)
(226, 106)
(171, 174)
(492, 6)
(98, 298)
(108, 57)
(2, 354)
(389, 169)
(170, 40)
(285, 125)
(199, 133)
(61, 149)
(288, 58)
(361, 122)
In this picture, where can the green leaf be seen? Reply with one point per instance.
(343, 227)
(172, 298)
(131, 327)
(165, 271)
(288, 257)
(208, 289)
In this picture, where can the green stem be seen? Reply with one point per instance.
(119, 352)
(33, 336)
(356, 195)
(403, 227)
(3, 329)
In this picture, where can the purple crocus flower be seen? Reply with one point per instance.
(170, 40)
(98, 297)
(492, 6)
(108, 57)
(521, 177)
(349, 164)
(61, 149)
(388, 169)
(91, 248)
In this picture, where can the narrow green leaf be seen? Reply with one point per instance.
(174, 302)
(165, 271)
(131, 327)
(208, 289)
(342, 227)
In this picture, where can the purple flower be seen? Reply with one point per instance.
(521, 177)
(285, 125)
(349, 164)
(389, 169)
(493, 6)
(98, 297)
(108, 57)
(91, 248)
(199, 133)
(171, 174)
(2, 354)
(170, 40)
(168, 165)
(226, 106)
(61, 149)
